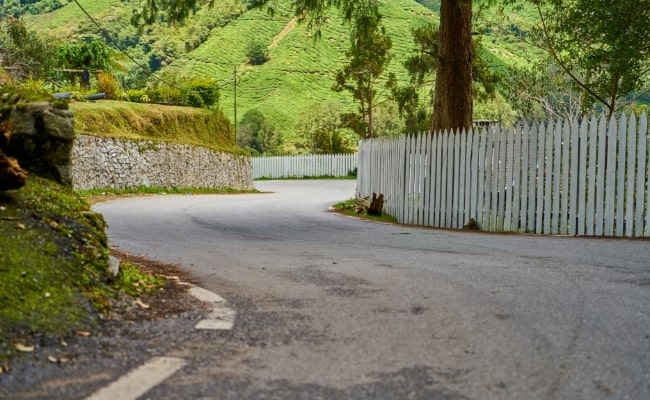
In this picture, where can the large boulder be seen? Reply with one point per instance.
(42, 138)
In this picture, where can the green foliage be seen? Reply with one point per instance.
(106, 84)
(421, 69)
(257, 53)
(136, 283)
(136, 96)
(17, 8)
(258, 134)
(542, 93)
(23, 53)
(301, 70)
(601, 45)
(164, 94)
(322, 130)
(92, 54)
(204, 90)
(368, 58)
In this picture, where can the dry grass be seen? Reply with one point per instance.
(135, 121)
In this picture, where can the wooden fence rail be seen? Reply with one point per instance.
(335, 165)
(563, 177)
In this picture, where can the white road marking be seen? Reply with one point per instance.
(140, 380)
(220, 317)
(206, 295)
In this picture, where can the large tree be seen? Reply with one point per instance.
(453, 90)
(453, 96)
(601, 45)
(368, 57)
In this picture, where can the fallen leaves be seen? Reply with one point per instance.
(141, 304)
(23, 348)
(60, 360)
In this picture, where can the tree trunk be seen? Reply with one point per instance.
(452, 107)
(376, 205)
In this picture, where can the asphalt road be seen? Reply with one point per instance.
(332, 307)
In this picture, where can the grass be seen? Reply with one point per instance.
(95, 195)
(53, 266)
(135, 121)
(348, 208)
(134, 283)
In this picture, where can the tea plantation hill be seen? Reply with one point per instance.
(301, 70)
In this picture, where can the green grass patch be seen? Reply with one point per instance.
(136, 283)
(53, 259)
(136, 121)
(93, 195)
(348, 208)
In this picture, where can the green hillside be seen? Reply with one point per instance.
(301, 70)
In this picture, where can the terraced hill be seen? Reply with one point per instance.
(301, 70)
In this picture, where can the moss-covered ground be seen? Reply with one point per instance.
(54, 278)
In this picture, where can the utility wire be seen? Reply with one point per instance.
(109, 41)
(146, 69)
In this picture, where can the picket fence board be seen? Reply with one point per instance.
(619, 196)
(573, 177)
(641, 189)
(644, 135)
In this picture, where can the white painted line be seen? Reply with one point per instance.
(140, 380)
(206, 295)
(220, 317)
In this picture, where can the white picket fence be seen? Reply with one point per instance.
(565, 177)
(335, 165)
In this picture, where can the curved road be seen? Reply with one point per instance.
(334, 307)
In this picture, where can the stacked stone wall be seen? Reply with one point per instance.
(98, 163)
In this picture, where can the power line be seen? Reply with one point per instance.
(146, 69)
(109, 41)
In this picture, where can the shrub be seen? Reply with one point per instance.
(195, 100)
(106, 84)
(257, 53)
(166, 94)
(205, 89)
(135, 95)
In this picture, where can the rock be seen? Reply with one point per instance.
(42, 139)
(113, 266)
(11, 175)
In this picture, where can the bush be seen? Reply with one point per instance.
(195, 100)
(135, 95)
(205, 89)
(106, 84)
(257, 53)
(166, 94)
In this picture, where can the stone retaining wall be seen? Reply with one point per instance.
(98, 163)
